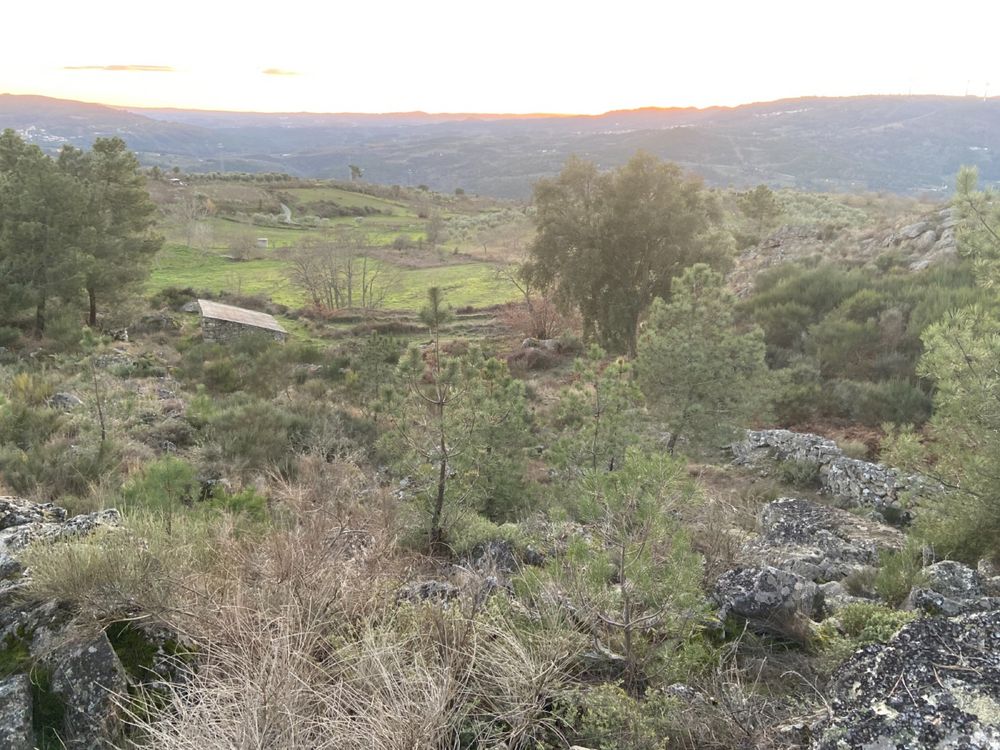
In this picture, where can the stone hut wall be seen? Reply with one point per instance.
(225, 330)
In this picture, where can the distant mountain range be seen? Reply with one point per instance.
(904, 144)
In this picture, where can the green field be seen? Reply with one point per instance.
(348, 199)
(464, 284)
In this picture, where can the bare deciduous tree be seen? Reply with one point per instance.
(342, 275)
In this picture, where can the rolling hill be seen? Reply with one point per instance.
(904, 144)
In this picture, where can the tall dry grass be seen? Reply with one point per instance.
(299, 642)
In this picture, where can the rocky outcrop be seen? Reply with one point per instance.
(768, 598)
(936, 684)
(552, 345)
(64, 401)
(951, 588)
(851, 481)
(818, 542)
(915, 242)
(23, 522)
(88, 676)
(417, 592)
(15, 713)
(84, 677)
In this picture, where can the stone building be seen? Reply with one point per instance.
(225, 322)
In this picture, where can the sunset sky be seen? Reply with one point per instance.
(516, 56)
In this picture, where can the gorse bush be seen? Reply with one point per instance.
(802, 475)
(255, 435)
(61, 466)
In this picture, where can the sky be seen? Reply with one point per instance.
(516, 56)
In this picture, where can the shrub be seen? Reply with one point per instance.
(531, 360)
(802, 475)
(26, 426)
(607, 718)
(61, 466)
(117, 572)
(255, 364)
(9, 336)
(471, 529)
(165, 486)
(144, 366)
(856, 625)
(870, 622)
(256, 435)
(899, 571)
(853, 449)
(64, 329)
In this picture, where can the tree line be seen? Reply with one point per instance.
(77, 229)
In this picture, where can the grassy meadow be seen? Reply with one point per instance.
(200, 251)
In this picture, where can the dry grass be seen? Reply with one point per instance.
(300, 642)
(728, 517)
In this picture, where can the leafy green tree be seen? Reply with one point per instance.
(42, 215)
(635, 582)
(611, 242)
(760, 206)
(597, 415)
(698, 370)
(119, 242)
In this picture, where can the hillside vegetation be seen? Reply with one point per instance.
(642, 464)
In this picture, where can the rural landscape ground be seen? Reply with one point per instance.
(635, 463)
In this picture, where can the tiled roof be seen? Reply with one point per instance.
(232, 314)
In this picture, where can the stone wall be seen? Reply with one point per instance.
(854, 482)
(225, 330)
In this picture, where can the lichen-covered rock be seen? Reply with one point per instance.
(16, 512)
(836, 597)
(88, 676)
(494, 556)
(950, 588)
(953, 579)
(936, 684)
(767, 596)
(816, 541)
(15, 713)
(9, 567)
(64, 401)
(852, 481)
(17, 537)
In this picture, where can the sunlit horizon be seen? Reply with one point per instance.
(525, 58)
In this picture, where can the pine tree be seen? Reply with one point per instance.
(699, 372)
(119, 243)
(42, 216)
(458, 427)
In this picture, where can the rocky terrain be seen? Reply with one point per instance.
(912, 242)
(55, 682)
(933, 684)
